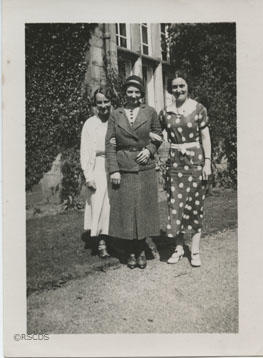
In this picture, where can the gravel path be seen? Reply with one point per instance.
(160, 299)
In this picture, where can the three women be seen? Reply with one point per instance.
(133, 137)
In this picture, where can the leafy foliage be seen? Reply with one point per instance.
(115, 83)
(72, 180)
(207, 54)
(57, 102)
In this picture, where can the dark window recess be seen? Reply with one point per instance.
(145, 50)
(123, 30)
(144, 39)
(122, 70)
(123, 42)
(144, 35)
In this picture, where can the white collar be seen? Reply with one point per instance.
(187, 107)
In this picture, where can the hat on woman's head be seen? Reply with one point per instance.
(134, 81)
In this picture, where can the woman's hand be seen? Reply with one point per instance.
(206, 169)
(143, 156)
(115, 178)
(113, 141)
(91, 185)
(155, 137)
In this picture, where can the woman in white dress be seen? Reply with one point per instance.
(92, 158)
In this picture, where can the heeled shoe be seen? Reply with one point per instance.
(176, 256)
(141, 261)
(102, 250)
(131, 263)
(195, 259)
(103, 253)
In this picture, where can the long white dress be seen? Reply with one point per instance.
(92, 159)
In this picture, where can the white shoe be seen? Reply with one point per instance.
(176, 256)
(195, 259)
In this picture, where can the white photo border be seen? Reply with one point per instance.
(248, 16)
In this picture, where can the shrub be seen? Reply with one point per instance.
(207, 53)
(73, 178)
(56, 100)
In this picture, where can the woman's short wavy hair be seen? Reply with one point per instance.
(108, 93)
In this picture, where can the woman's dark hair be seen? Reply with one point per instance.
(178, 74)
(106, 91)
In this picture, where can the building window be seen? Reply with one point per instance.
(122, 35)
(145, 39)
(165, 42)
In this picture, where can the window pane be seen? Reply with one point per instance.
(144, 35)
(116, 28)
(123, 29)
(123, 42)
(117, 40)
(145, 50)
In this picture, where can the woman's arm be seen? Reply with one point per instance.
(156, 131)
(87, 155)
(111, 156)
(206, 142)
(156, 139)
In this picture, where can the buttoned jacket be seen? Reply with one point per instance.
(124, 142)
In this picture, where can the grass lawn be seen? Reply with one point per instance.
(55, 252)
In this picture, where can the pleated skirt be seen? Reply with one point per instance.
(134, 211)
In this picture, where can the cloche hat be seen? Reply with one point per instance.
(134, 81)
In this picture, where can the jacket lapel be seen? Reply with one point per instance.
(141, 117)
(124, 123)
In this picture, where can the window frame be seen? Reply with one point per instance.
(119, 36)
(149, 44)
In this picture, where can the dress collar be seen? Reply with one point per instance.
(187, 107)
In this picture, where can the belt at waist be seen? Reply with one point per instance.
(100, 154)
(130, 149)
(184, 146)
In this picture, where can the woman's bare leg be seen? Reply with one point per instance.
(195, 250)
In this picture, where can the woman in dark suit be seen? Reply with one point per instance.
(134, 213)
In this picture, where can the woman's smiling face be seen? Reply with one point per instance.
(103, 104)
(133, 95)
(179, 89)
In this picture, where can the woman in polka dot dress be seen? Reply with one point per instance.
(188, 168)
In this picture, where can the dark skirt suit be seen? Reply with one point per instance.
(134, 212)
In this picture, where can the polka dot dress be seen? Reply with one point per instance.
(185, 188)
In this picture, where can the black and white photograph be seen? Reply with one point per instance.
(131, 178)
(131, 185)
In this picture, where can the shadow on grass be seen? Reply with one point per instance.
(117, 248)
(56, 253)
